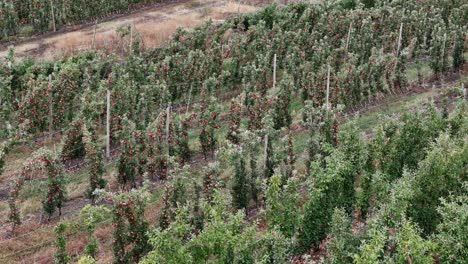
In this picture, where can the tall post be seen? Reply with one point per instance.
(108, 124)
(399, 39)
(328, 88)
(53, 14)
(189, 98)
(168, 112)
(51, 107)
(349, 36)
(265, 151)
(274, 71)
(94, 35)
(131, 38)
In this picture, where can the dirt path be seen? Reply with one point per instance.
(154, 24)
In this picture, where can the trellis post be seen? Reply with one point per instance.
(328, 88)
(131, 38)
(168, 112)
(108, 124)
(399, 39)
(349, 36)
(274, 71)
(53, 14)
(190, 97)
(265, 152)
(51, 107)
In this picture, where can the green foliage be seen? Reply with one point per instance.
(342, 245)
(127, 162)
(282, 211)
(9, 19)
(91, 216)
(210, 180)
(208, 123)
(273, 247)
(86, 260)
(355, 151)
(56, 191)
(240, 186)
(168, 244)
(235, 118)
(269, 159)
(182, 140)
(458, 121)
(94, 156)
(372, 250)
(458, 56)
(332, 188)
(400, 175)
(282, 116)
(130, 239)
(439, 50)
(440, 174)
(225, 237)
(411, 247)
(452, 233)
(403, 143)
(74, 146)
(61, 256)
(254, 180)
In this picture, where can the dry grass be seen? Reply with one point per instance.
(155, 26)
(3, 208)
(76, 190)
(155, 35)
(30, 206)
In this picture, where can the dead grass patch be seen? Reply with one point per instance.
(30, 206)
(154, 35)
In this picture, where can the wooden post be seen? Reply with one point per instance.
(53, 14)
(108, 125)
(168, 112)
(349, 36)
(190, 97)
(94, 35)
(328, 88)
(131, 38)
(51, 108)
(265, 150)
(274, 71)
(399, 40)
